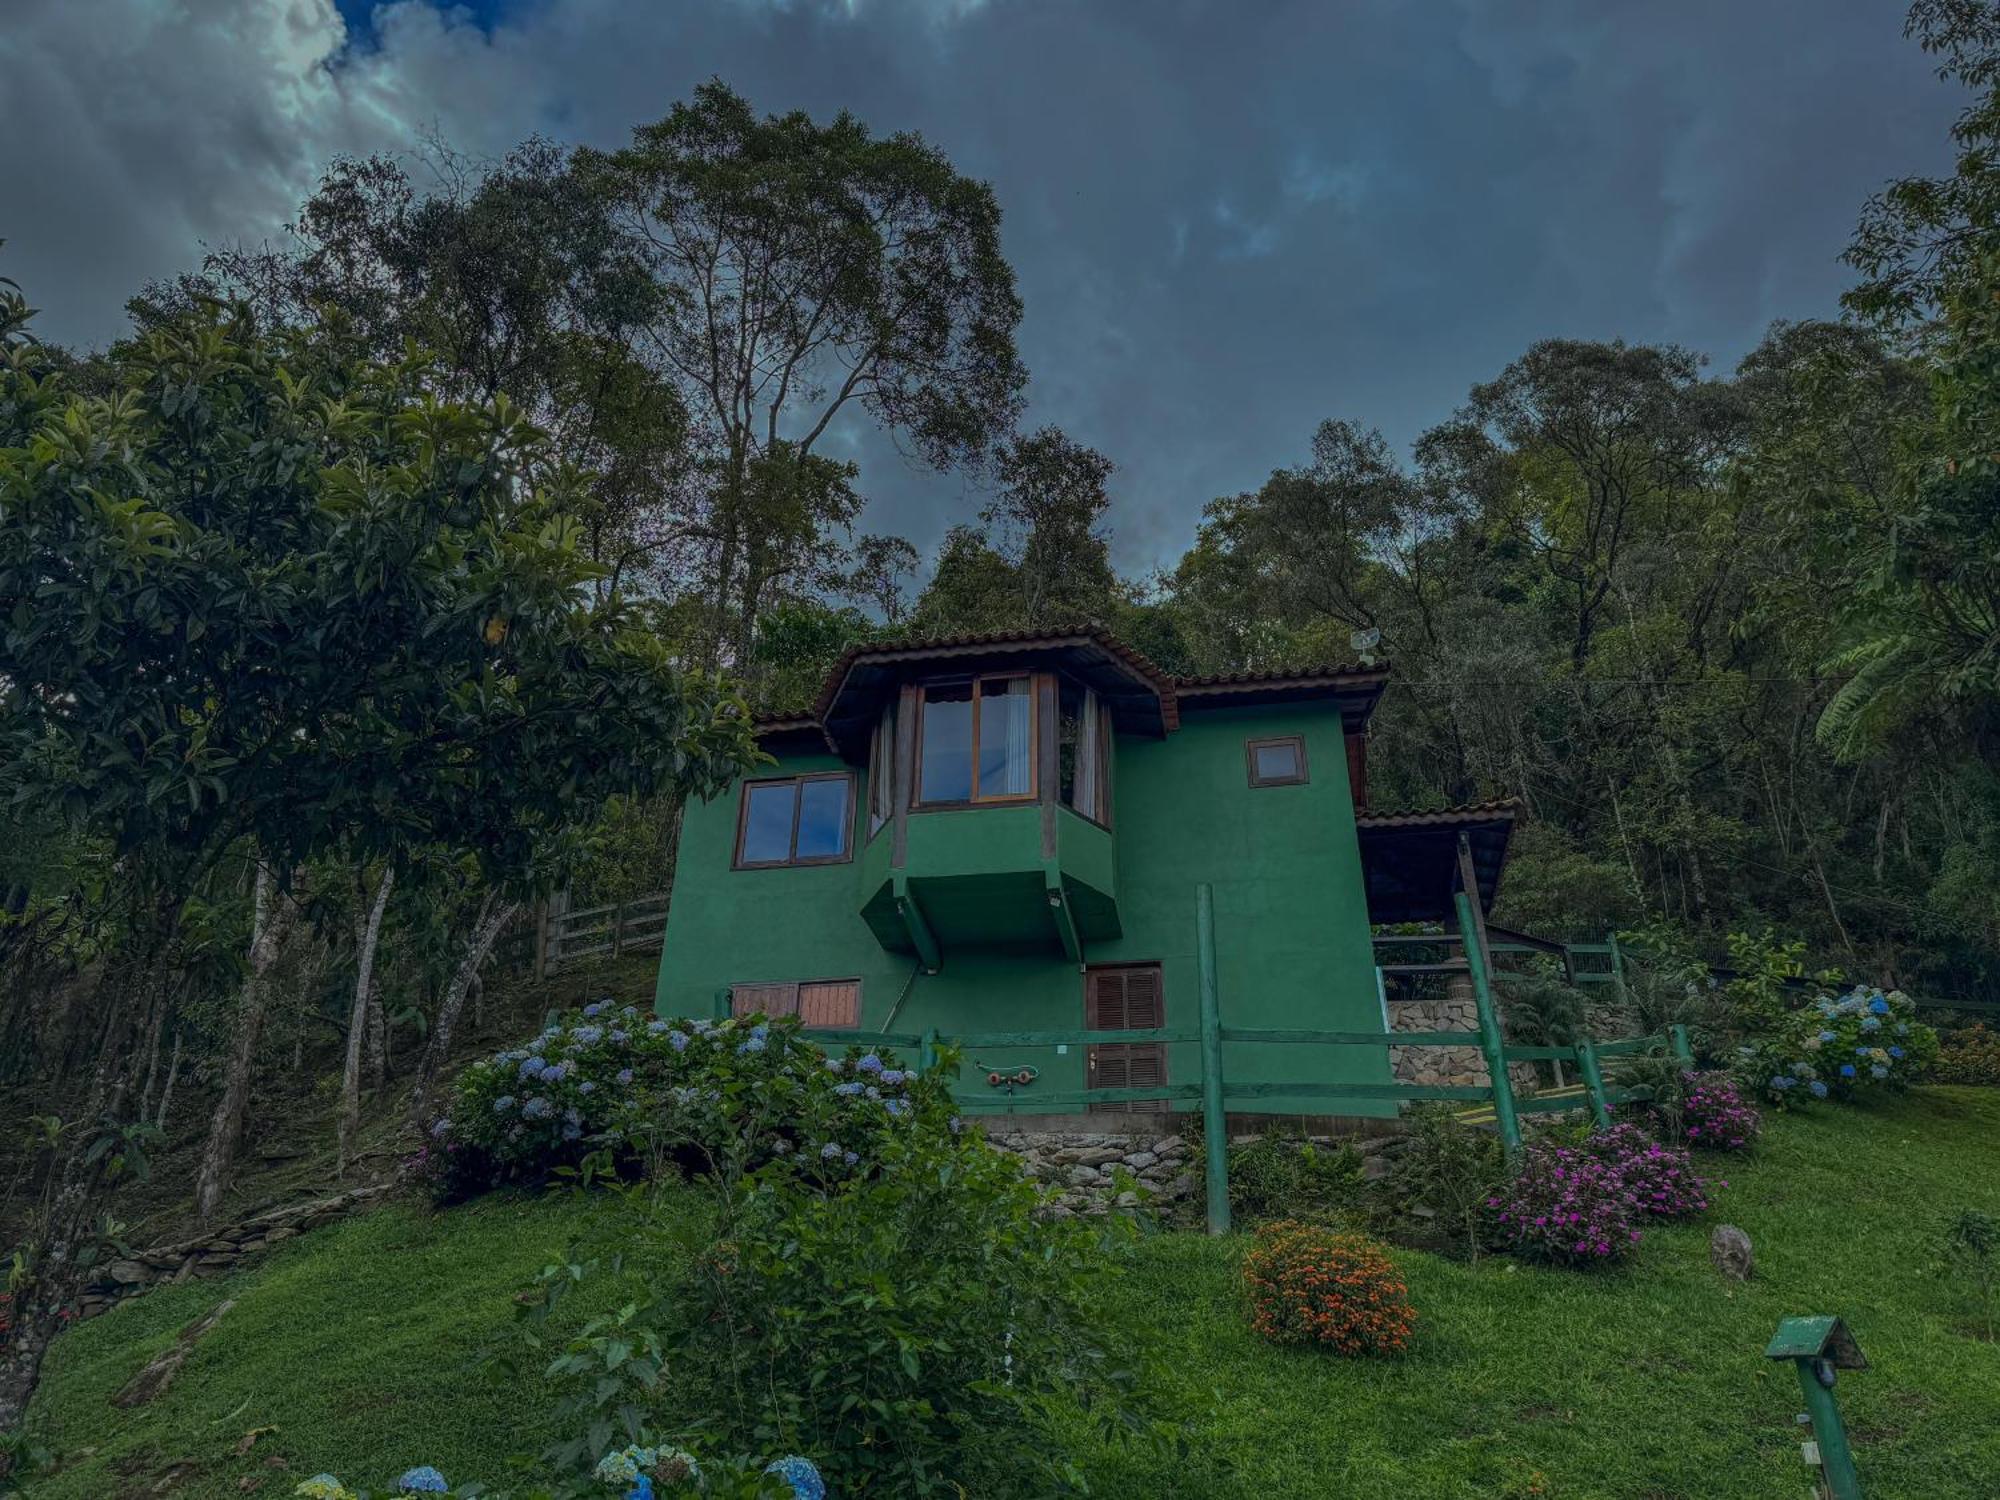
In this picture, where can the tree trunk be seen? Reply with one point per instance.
(167, 1093)
(378, 1043)
(494, 914)
(368, 933)
(67, 1227)
(275, 915)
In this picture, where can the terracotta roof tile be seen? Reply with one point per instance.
(1441, 817)
(972, 641)
(1281, 674)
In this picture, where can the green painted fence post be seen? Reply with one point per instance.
(723, 1006)
(1683, 1048)
(1593, 1082)
(927, 1052)
(1214, 1123)
(1617, 969)
(1492, 1043)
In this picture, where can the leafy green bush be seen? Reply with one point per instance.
(906, 1320)
(1437, 1196)
(643, 1095)
(1863, 1042)
(1278, 1176)
(1969, 1257)
(1969, 1055)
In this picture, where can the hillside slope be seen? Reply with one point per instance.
(362, 1346)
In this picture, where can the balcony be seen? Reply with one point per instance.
(979, 877)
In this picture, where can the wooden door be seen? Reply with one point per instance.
(1125, 997)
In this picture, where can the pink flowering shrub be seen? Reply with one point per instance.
(1567, 1206)
(1714, 1114)
(1661, 1179)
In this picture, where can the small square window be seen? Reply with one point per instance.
(794, 820)
(1277, 762)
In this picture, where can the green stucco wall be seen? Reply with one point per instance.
(1292, 937)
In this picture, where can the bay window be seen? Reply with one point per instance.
(976, 740)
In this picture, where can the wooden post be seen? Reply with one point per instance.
(1472, 925)
(617, 929)
(541, 940)
(1214, 1122)
(1593, 1082)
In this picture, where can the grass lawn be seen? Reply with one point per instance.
(361, 1345)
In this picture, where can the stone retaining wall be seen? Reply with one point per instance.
(217, 1253)
(1454, 1010)
(1084, 1166)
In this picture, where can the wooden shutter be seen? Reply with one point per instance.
(766, 999)
(1125, 999)
(833, 1002)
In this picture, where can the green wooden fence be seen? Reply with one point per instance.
(1216, 1093)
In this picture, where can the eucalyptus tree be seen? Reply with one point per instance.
(808, 273)
(269, 603)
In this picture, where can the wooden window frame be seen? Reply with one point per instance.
(1032, 794)
(1296, 741)
(792, 860)
(792, 988)
(1103, 769)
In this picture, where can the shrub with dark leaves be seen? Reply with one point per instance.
(1714, 1116)
(1567, 1206)
(1661, 1179)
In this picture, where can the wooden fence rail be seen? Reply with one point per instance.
(1216, 1092)
(566, 937)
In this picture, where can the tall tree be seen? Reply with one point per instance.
(1048, 519)
(1922, 236)
(807, 271)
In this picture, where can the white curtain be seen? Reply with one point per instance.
(1088, 750)
(881, 771)
(1020, 738)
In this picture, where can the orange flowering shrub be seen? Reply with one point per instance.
(1310, 1285)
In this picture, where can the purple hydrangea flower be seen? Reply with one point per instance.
(870, 1064)
(829, 1151)
(678, 1041)
(504, 1103)
(593, 1008)
(537, 1108)
(624, 1076)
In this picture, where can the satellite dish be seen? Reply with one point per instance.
(1364, 642)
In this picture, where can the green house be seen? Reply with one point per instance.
(1006, 833)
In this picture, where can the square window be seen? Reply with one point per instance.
(794, 820)
(1280, 761)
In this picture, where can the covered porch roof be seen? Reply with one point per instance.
(1409, 860)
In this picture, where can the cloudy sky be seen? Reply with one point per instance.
(1230, 218)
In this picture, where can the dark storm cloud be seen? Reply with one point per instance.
(1229, 220)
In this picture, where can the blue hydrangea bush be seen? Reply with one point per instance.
(1843, 1048)
(611, 1082)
